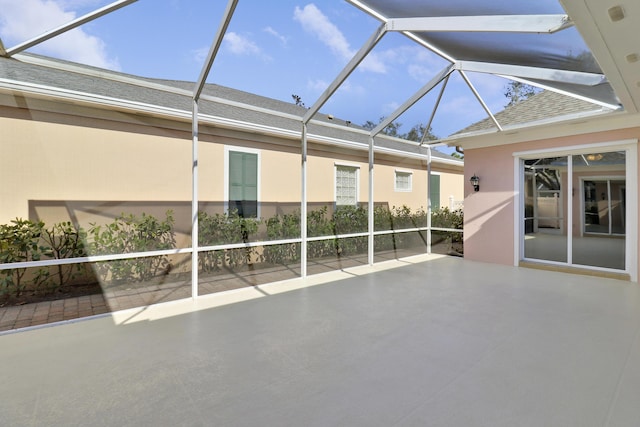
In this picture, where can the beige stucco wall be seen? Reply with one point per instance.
(489, 214)
(451, 188)
(44, 161)
(60, 167)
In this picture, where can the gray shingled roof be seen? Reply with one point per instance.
(541, 106)
(23, 71)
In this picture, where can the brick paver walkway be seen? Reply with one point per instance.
(138, 295)
(41, 313)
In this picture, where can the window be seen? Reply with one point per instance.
(346, 185)
(403, 181)
(434, 191)
(242, 188)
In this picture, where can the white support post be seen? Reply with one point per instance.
(194, 203)
(303, 205)
(197, 92)
(569, 215)
(370, 221)
(429, 240)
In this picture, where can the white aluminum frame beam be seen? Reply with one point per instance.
(194, 201)
(66, 27)
(435, 108)
(564, 92)
(539, 73)
(413, 99)
(303, 201)
(490, 23)
(215, 46)
(346, 72)
(197, 91)
(480, 100)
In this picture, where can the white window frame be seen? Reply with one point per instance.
(335, 181)
(227, 149)
(395, 181)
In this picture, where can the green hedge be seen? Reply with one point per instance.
(24, 240)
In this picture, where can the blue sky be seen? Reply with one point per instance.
(272, 48)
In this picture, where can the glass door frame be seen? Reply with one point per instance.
(583, 224)
(631, 184)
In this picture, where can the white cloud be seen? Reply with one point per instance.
(374, 63)
(241, 45)
(351, 89)
(318, 85)
(199, 55)
(25, 19)
(317, 23)
(274, 33)
(421, 65)
(464, 106)
(420, 72)
(74, 4)
(390, 107)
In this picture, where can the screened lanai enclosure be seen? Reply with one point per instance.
(148, 189)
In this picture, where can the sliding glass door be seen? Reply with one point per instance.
(544, 199)
(574, 209)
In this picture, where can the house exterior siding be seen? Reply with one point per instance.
(490, 214)
(87, 166)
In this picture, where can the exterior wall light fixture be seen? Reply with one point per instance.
(475, 181)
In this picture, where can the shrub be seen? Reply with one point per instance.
(348, 220)
(24, 240)
(280, 227)
(446, 218)
(129, 234)
(319, 224)
(20, 242)
(219, 229)
(64, 240)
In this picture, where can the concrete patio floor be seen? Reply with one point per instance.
(425, 341)
(140, 295)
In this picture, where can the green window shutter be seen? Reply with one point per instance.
(236, 175)
(250, 176)
(243, 183)
(434, 192)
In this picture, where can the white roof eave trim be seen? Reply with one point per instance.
(575, 124)
(46, 92)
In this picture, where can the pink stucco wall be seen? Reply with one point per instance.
(489, 214)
